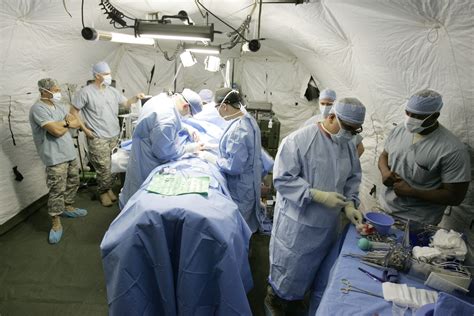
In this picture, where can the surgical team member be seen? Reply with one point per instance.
(317, 174)
(461, 218)
(424, 167)
(206, 96)
(155, 139)
(99, 104)
(326, 100)
(50, 123)
(239, 157)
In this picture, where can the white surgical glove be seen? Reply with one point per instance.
(353, 214)
(330, 199)
(208, 156)
(193, 133)
(193, 147)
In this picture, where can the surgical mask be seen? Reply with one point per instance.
(107, 80)
(340, 137)
(343, 136)
(325, 110)
(56, 96)
(414, 125)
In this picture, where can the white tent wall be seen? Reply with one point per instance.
(378, 51)
(382, 52)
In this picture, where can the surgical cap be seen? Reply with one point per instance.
(193, 99)
(350, 110)
(47, 84)
(425, 102)
(227, 94)
(327, 94)
(206, 95)
(100, 68)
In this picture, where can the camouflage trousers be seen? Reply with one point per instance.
(99, 152)
(63, 181)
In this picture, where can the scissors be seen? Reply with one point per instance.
(350, 288)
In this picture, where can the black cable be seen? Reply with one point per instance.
(259, 17)
(65, 8)
(82, 14)
(10, 122)
(228, 25)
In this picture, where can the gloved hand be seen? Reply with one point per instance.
(330, 199)
(353, 214)
(207, 156)
(193, 133)
(193, 147)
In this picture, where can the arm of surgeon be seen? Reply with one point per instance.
(447, 194)
(59, 128)
(132, 100)
(75, 112)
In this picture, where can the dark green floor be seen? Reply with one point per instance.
(67, 279)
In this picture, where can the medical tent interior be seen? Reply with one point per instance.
(273, 52)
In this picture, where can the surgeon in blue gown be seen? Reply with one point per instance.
(240, 156)
(155, 139)
(317, 174)
(327, 97)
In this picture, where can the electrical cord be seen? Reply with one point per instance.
(65, 8)
(82, 14)
(10, 122)
(225, 23)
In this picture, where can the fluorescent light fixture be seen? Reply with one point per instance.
(174, 31)
(203, 49)
(91, 34)
(187, 59)
(212, 63)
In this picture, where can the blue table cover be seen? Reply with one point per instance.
(178, 255)
(334, 302)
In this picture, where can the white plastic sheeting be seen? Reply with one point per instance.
(378, 51)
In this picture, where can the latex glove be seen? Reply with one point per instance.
(193, 133)
(330, 199)
(353, 214)
(193, 148)
(207, 156)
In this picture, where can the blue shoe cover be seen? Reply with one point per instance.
(55, 236)
(78, 212)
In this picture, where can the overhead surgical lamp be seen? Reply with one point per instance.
(187, 59)
(203, 49)
(91, 34)
(212, 63)
(179, 32)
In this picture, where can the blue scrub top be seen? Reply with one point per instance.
(437, 158)
(100, 108)
(52, 150)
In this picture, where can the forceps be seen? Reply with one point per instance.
(350, 288)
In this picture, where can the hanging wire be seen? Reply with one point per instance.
(165, 53)
(10, 122)
(65, 8)
(224, 22)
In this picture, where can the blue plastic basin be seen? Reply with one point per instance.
(382, 222)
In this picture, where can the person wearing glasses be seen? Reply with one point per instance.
(424, 167)
(240, 157)
(155, 139)
(326, 101)
(317, 174)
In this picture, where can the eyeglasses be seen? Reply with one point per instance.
(326, 103)
(352, 130)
